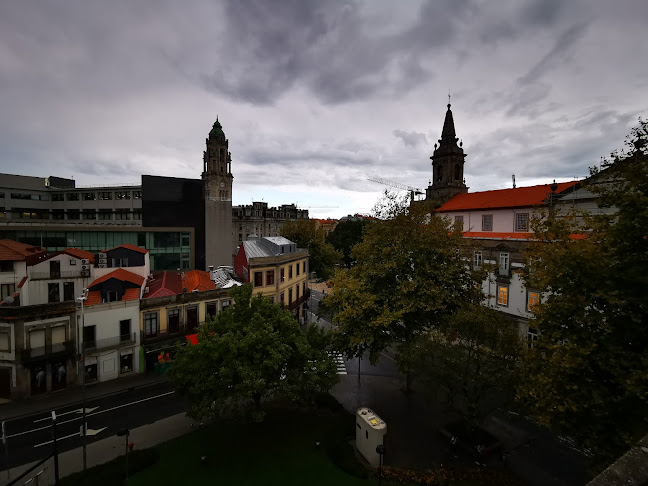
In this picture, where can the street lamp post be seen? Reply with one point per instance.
(80, 340)
(380, 449)
(56, 462)
(122, 433)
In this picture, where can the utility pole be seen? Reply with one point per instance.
(6, 448)
(84, 426)
(56, 463)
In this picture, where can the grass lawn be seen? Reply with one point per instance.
(281, 451)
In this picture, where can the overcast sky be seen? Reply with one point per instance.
(316, 96)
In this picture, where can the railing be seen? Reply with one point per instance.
(48, 351)
(167, 334)
(296, 303)
(56, 275)
(124, 339)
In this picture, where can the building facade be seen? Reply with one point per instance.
(259, 220)
(277, 269)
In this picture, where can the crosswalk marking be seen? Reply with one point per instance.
(339, 361)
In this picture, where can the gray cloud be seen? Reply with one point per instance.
(410, 139)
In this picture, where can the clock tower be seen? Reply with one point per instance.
(217, 179)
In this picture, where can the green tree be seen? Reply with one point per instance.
(322, 256)
(251, 352)
(345, 236)
(587, 374)
(474, 358)
(409, 277)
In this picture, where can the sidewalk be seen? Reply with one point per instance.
(55, 400)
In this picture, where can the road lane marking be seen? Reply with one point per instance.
(79, 410)
(94, 413)
(57, 439)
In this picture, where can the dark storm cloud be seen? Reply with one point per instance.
(410, 139)
(560, 53)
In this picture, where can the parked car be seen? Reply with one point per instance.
(464, 435)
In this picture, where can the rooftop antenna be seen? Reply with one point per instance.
(513, 181)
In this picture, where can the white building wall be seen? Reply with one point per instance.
(37, 285)
(107, 354)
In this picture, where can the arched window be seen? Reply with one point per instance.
(457, 172)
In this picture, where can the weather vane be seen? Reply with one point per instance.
(448, 96)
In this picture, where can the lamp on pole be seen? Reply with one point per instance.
(80, 340)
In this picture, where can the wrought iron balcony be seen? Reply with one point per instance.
(111, 342)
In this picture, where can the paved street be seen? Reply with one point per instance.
(30, 438)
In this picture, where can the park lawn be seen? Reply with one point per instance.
(281, 451)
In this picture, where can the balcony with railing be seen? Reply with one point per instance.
(59, 275)
(170, 333)
(296, 303)
(49, 351)
(111, 342)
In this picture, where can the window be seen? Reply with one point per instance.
(137, 215)
(89, 335)
(297, 268)
(72, 196)
(5, 341)
(105, 214)
(7, 289)
(89, 196)
(289, 296)
(304, 287)
(487, 222)
(122, 195)
(304, 267)
(119, 262)
(6, 266)
(111, 296)
(212, 308)
(281, 298)
(522, 222)
(126, 363)
(53, 292)
(533, 299)
(283, 275)
(477, 259)
(297, 292)
(105, 196)
(58, 197)
(58, 214)
(502, 295)
(258, 279)
(185, 239)
(125, 330)
(68, 290)
(225, 304)
(73, 214)
(270, 277)
(290, 272)
(151, 324)
(137, 194)
(532, 337)
(89, 214)
(459, 219)
(174, 320)
(122, 214)
(504, 262)
(192, 318)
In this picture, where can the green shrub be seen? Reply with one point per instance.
(112, 473)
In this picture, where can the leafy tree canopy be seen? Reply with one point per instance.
(587, 373)
(306, 234)
(409, 277)
(251, 352)
(345, 236)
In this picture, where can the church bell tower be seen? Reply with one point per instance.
(447, 165)
(217, 179)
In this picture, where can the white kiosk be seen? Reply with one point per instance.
(370, 430)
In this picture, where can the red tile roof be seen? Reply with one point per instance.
(78, 253)
(197, 280)
(130, 247)
(164, 284)
(94, 298)
(13, 250)
(120, 274)
(504, 198)
(131, 294)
